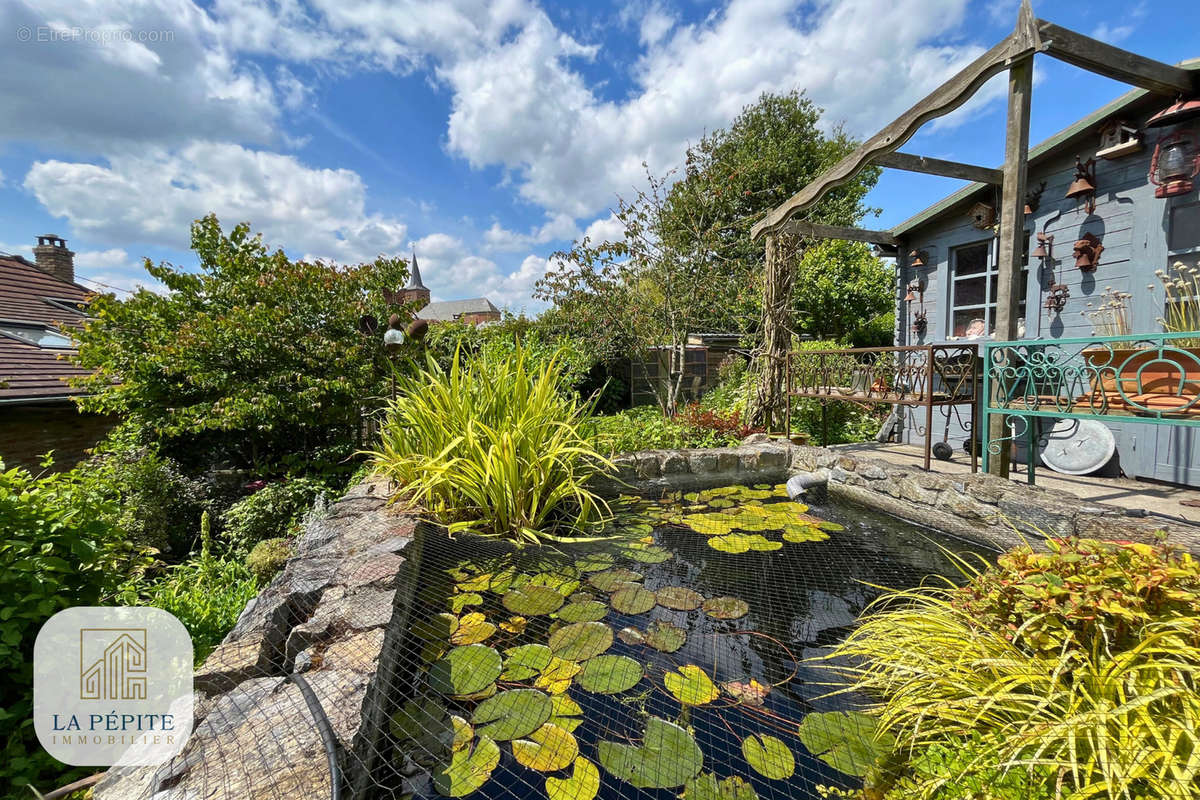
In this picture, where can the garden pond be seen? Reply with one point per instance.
(679, 657)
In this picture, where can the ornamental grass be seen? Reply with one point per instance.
(494, 445)
(1077, 671)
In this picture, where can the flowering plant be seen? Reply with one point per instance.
(1182, 302)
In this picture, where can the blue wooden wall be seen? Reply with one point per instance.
(1140, 234)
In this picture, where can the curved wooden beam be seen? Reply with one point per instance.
(946, 98)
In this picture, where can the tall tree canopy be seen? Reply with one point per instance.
(251, 359)
(685, 262)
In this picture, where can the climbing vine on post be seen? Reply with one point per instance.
(771, 397)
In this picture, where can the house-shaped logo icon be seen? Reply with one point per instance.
(113, 663)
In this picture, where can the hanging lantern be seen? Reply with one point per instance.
(1179, 111)
(1176, 161)
(1084, 185)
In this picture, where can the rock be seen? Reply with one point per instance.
(772, 458)
(872, 472)
(727, 461)
(756, 438)
(1025, 513)
(748, 458)
(648, 466)
(700, 461)
(673, 463)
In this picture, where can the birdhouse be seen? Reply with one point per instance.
(1118, 139)
(982, 215)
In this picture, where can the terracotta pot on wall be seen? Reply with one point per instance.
(1143, 377)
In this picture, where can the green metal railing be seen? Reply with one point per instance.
(1146, 378)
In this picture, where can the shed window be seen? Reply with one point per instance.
(1185, 227)
(973, 284)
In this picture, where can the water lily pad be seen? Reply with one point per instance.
(503, 580)
(475, 583)
(512, 714)
(845, 740)
(647, 554)
(726, 607)
(665, 636)
(708, 787)
(548, 749)
(460, 601)
(472, 629)
(435, 628)
(465, 670)
(556, 677)
(631, 636)
(462, 733)
(514, 624)
(432, 651)
(594, 562)
(751, 693)
(742, 542)
(691, 686)
(525, 661)
(769, 756)
(633, 599)
(423, 724)
(583, 784)
(565, 712)
(482, 694)
(583, 611)
(679, 598)
(667, 757)
(609, 580)
(565, 581)
(610, 674)
(468, 769)
(533, 601)
(804, 533)
(581, 640)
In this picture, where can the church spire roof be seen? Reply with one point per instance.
(414, 275)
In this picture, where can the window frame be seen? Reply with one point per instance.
(989, 275)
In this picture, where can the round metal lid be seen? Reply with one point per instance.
(1078, 446)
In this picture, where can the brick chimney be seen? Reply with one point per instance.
(51, 255)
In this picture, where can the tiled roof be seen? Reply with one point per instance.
(26, 370)
(447, 310)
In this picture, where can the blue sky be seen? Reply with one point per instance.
(484, 135)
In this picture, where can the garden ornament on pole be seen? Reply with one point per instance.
(393, 340)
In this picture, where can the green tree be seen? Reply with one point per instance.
(254, 359)
(840, 290)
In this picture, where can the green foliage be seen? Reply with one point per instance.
(250, 359)
(957, 773)
(58, 549)
(272, 512)
(840, 290)
(499, 340)
(1079, 667)
(154, 503)
(837, 422)
(267, 558)
(207, 595)
(493, 446)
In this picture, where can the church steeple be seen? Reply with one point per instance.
(415, 290)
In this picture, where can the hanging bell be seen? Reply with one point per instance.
(916, 258)
(1085, 179)
(1045, 243)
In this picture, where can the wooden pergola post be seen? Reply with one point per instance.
(777, 333)
(1012, 217)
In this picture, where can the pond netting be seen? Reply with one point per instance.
(682, 656)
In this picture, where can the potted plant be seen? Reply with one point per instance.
(1151, 379)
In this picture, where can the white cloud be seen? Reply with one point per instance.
(104, 72)
(151, 197)
(558, 228)
(113, 270)
(605, 229)
(451, 270)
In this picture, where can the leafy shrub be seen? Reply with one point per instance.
(267, 558)
(730, 427)
(155, 503)
(1080, 666)
(206, 594)
(493, 446)
(639, 428)
(271, 512)
(58, 548)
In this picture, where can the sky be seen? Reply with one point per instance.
(483, 135)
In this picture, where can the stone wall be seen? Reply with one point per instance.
(335, 615)
(981, 507)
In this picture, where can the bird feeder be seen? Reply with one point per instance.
(1118, 139)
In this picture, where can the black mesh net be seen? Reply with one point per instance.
(680, 656)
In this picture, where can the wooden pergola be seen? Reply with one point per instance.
(1015, 54)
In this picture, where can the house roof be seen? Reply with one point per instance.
(448, 310)
(1047, 149)
(29, 372)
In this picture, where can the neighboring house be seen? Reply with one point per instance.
(37, 412)
(950, 259)
(704, 354)
(474, 311)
